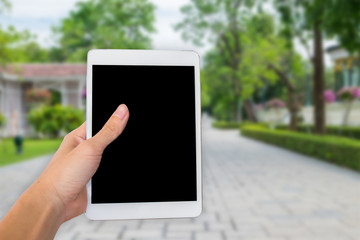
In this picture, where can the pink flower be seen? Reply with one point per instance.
(349, 93)
(275, 103)
(329, 96)
(259, 106)
(356, 92)
(37, 95)
(83, 93)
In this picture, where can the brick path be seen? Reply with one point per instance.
(252, 191)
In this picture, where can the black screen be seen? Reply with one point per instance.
(154, 159)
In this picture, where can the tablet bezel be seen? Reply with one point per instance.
(111, 211)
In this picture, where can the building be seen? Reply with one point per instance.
(347, 68)
(67, 80)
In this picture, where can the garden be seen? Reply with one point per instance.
(49, 122)
(256, 79)
(264, 67)
(340, 144)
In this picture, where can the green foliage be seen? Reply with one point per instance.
(207, 19)
(104, 24)
(30, 51)
(219, 89)
(338, 18)
(51, 120)
(306, 19)
(251, 124)
(4, 5)
(245, 43)
(2, 120)
(260, 48)
(342, 151)
(226, 125)
(205, 96)
(350, 132)
(222, 24)
(20, 46)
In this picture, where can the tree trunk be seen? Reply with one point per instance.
(293, 107)
(292, 102)
(250, 113)
(347, 113)
(319, 102)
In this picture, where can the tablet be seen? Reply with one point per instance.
(153, 169)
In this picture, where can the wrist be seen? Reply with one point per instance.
(43, 195)
(36, 215)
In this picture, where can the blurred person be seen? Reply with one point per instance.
(15, 131)
(19, 140)
(59, 193)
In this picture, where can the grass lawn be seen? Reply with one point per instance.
(32, 148)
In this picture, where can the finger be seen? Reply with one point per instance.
(111, 130)
(72, 140)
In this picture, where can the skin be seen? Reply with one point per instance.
(59, 193)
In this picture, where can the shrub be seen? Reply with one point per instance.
(236, 125)
(349, 93)
(52, 120)
(339, 150)
(226, 125)
(258, 124)
(351, 132)
(2, 120)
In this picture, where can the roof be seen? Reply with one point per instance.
(46, 70)
(333, 48)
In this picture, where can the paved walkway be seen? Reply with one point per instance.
(252, 191)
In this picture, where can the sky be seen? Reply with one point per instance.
(40, 15)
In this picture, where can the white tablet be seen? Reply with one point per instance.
(153, 169)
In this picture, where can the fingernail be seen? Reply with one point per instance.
(121, 111)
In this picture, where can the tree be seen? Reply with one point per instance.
(104, 24)
(205, 96)
(267, 58)
(291, 71)
(19, 47)
(348, 95)
(221, 23)
(4, 5)
(29, 51)
(304, 19)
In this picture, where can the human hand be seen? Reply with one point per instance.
(59, 193)
(76, 161)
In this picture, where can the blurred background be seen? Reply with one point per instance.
(280, 90)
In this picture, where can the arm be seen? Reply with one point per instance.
(59, 194)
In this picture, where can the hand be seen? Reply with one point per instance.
(76, 161)
(59, 193)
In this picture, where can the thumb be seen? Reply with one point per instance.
(111, 130)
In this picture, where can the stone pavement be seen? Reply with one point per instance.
(14, 179)
(252, 191)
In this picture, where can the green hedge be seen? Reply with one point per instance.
(339, 150)
(226, 125)
(252, 124)
(236, 125)
(51, 120)
(351, 132)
